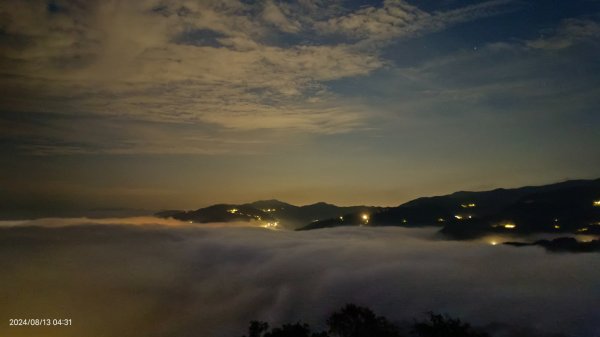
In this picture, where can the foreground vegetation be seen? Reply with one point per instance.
(356, 321)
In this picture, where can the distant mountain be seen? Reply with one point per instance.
(219, 213)
(567, 207)
(271, 211)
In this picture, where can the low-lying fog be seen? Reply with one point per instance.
(154, 277)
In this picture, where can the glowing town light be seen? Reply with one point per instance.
(596, 203)
(365, 217)
(584, 229)
(470, 217)
(469, 205)
(232, 211)
(440, 219)
(342, 218)
(493, 243)
(556, 226)
(404, 221)
(510, 226)
(271, 225)
(459, 217)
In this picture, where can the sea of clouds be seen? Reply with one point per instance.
(156, 277)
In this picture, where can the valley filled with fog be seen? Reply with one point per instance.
(159, 277)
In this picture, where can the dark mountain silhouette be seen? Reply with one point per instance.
(559, 208)
(566, 207)
(360, 218)
(295, 216)
(219, 213)
(275, 211)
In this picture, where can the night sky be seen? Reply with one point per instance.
(180, 104)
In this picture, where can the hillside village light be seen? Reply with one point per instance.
(596, 203)
(271, 225)
(365, 218)
(510, 226)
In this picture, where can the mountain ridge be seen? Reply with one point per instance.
(273, 212)
(563, 207)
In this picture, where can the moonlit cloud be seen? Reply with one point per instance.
(399, 19)
(129, 59)
(194, 62)
(274, 15)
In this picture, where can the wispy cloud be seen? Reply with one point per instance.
(273, 14)
(399, 19)
(570, 32)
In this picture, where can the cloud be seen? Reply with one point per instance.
(130, 221)
(224, 65)
(121, 58)
(534, 80)
(44, 134)
(394, 18)
(570, 32)
(399, 19)
(274, 15)
(184, 281)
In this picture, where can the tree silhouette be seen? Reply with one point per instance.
(259, 329)
(356, 321)
(444, 326)
(291, 330)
